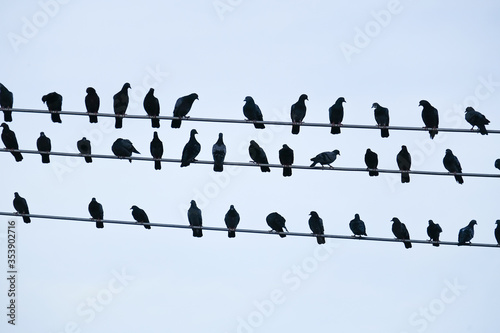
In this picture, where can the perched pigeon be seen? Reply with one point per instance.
(123, 148)
(152, 107)
(97, 213)
(84, 148)
(286, 159)
(21, 206)
(336, 112)
(382, 118)
(182, 107)
(466, 233)
(10, 142)
(232, 219)
(195, 220)
(497, 231)
(252, 112)
(399, 230)
(433, 231)
(258, 155)
(430, 117)
(54, 104)
(316, 226)
(298, 113)
(277, 223)
(325, 158)
(452, 164)
(120, 104)
(92, 103)
(156, 148)
(404, 164)
(476, 118)
(43, 145)
(497, 163)
(357, 226)
(140, 216)
(191, 150)
(371, 161)
(6, 102)
(219, 154)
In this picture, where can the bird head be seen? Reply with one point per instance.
(248, 99)
(424, 103)
(472, 223)
(341, 100)
(4, 125)
(313, 213)
(133, 207)
(336, 151)
(356, 216)
(497, 222)
(469, 109)
(90, 90)
(16, 194)
(193, 132)
(303, 97)
(231, 207)
(193, 203)
(448, 151)
(395, 219)
(126, 86)
(375, 105)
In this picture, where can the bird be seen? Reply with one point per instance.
(382, 118)
(252, 112)
(195, 220)
(97, 213)
(277, 223)
(497, 163)
(316, 226)
(92, 103)
(452, 164)
(140, 216)
(371, 161)
(6, 102)
(286, 159)
(403, 159)
(497, 231)
(219, 154)
(298, 113)
(84, 148)
(466, 234)
(232, 219)
(325, 158)
(433, 231)
(476, 118)
(123, 148)
(357, 226)
(43, 145)
(21, 207)
(152, 107)
(156, 149)
(258, 155)
(399, 230)
(430, 117)
(54, 103)
(120, 104)
(191, 150)
(336, 113)
(182, 107)
(10, 142)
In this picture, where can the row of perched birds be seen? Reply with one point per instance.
(274, 220)
(251, 111)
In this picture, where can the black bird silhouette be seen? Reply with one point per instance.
(140, 216)
(497, 231)
(316, 226)
(277, 223)
(10, 142)
(120, 104)
(21, 206)
(399, 230)
(371, 161)
(258, 155)
(403, 160)
(44, 146)
(336, 112)
(92, 103)
(54, 103)
(97, 213)
(191, 150)
(195, 220)
(156, 149)
(325, 158)
(232, 219)
(123, 148)
(6, 102)
(286, 159)
(84, 148)
(182, 107)
(298, 113)
(430, 117)
(152, 107)
(382, 118)
(219, 154)
(497, 163)
(476, 118)
(452, 164)
(466, 234)
(433, 231)
(357, 226)
(252, 112)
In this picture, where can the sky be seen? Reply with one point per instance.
(73, 277)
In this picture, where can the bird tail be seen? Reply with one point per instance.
(231, 234)
(88, 159)
(176, 123)
(408, 245)
(56, 117)
(147, 226)
(436, 240)
(7, 116)
(157, 165)
(287, 171)
(118, 122)
(93, 119)
(295, 129)
(265, 169)
(482, 130)
(321, 240)
(313, 164)
(384, 132)
(335, 130)
(218, 167)
(405, 177)
(259, 125)
(99, 224)
(373, 173)
(197, 232)
(45, 158)
(459, 179)
(26, 219)
(282, 235)
(433, 133)
(155, 122)
(17, 156)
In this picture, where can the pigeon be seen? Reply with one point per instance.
(152, 107)
(286, 159)
(97, 213)
(399, 230)
(404, 164)
(336, 112)
(123, 148)
(258, 155)
(382, 118)
(433, 231)
(182, 107)
(476, 118)
(231, 219)
(277, 223)
(325, 158)
(497, 231)
(466, 233)
(452, 164)
(371, 161)
(10, 142)
(92, 103)
(84, 148)
(298, 113)
(357, 226)
(219, 154)
(120, 104)
(156, 148)
(43, 145)
(195, 220)
(252, 112)
(6, 102)
(316, 226)
(140, 216)
(21, 206)
(191, 150)
(430, 117)
(497, 163)
(54, 104)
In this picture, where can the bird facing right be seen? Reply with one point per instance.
(466, 234)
